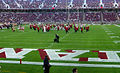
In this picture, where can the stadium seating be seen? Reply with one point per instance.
(57, 17)
(93, 3)
(92, 17)
(109, 17)
(77, 3)
(40, 17)
(108, 3)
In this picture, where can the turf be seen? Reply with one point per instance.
(95, 39)
(14, 68)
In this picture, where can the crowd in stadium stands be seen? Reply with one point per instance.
(109, 17)
(49, 4)
(108, 3)
(77, 4)
(118, 17)
(57, 17)
(74, 16)
(92, 17)
(93, 3)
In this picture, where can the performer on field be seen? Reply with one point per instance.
(56, 38)
(13, 29)
(82, 29)
(66, 29)
(31, 26)
(38, 28)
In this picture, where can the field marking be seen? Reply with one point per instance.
(87, 41)
(110, 33)
(49, 43)
(59, 40)
(23, 43)
(63, 64)
(5, 71)
(116, 42)
(86, 44)
(84, 38)
(117, 25)
(107, 31)
(22, 72)
(66, 35)
(52, 40)
(114, 37)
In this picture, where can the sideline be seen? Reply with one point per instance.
(117, 25)
(63, 64)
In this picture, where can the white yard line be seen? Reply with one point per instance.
(114, 37)
(116, 42)
(85, 44)
(52, 43)
(66, 35)
(23, 43)
(117, 25)
(110, 33)
(63, 64)
(107, 31)
(59, 40)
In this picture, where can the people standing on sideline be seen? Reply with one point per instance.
(46, 65)
(74, 70)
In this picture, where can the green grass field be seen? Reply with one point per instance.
(95, 39)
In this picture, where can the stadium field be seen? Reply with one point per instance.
(99, 38)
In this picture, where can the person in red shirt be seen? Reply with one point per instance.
(38, 29)
(70, 25)
(58, 28)
(48, 28)
(30, 26)
(82, 29)
(76, 29)
(87, 29)
(66, 29)
(34, 27)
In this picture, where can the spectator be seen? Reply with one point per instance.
(46, 65)
(75, 70)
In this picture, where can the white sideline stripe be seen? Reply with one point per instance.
(62, 64)
(110, 33)
(107, 31)
(117, 25)
(114, 37)
(49, 43)
(116, 42)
